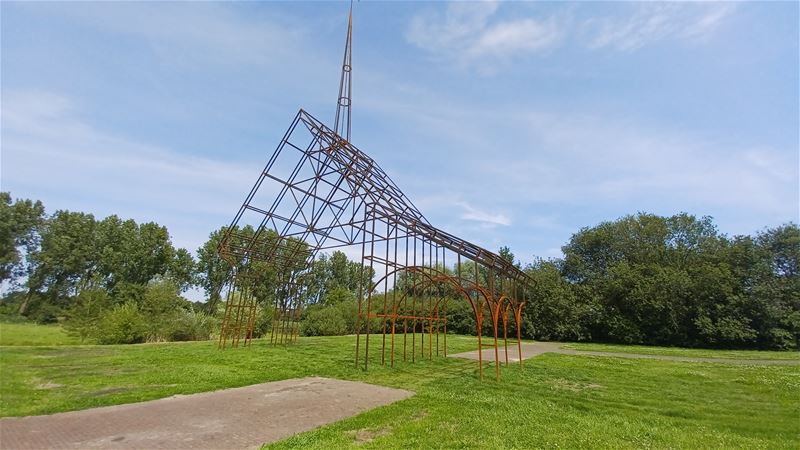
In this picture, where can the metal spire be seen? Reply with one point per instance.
(342, 123)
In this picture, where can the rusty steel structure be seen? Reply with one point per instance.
(318, 192)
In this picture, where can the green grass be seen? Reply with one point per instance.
(685, 352)
(33, 334)
(554, 401)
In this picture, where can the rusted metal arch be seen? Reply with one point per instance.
(433, 276)
(403, 299)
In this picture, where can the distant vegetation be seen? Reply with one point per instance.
(646, 279)
(641, 279)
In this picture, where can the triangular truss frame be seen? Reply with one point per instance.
(324, 194)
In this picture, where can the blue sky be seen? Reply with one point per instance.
(506, 123)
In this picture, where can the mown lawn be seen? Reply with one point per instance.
(687, 352)
(554, 401)
(33, 334)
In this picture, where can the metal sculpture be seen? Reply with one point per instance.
(319, 192)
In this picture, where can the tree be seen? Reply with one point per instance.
(774, 283)
(132, 253)
(508, 255)
(212, 270)
(182, 270)
(66, 262)
(275, 271)
(553, 310)
(333, 272)
(20, 223)
(677, 281)
(655, 280)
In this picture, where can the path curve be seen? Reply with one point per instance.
(533, 349)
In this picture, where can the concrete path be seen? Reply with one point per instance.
(532, 349)
(238, 418)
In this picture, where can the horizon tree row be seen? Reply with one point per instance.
(640, 279)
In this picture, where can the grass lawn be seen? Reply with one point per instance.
(33, 334)
(554, 401)
(687, 352)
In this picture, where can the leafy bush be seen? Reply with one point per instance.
(163, 307)
(263, 323)
(84, 316)
(321, 320)
(334, 320)
(192, 326)
(461, 317)
(45, 313)
(9, 307)
(13, 318)
(124, 324)
(348, 311)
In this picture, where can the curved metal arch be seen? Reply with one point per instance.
(421, 270)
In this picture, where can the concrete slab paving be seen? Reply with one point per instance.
(529, 350)
(237, 418)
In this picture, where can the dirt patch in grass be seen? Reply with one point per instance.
(419, 415)
(109, 391)
(366, 436)
(573, 386)
(69, 352)
(48, 385)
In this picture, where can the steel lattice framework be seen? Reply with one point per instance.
(319, 192)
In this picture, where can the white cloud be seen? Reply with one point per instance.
(489, 219)
(505, 39)
(654, 22)
(471, 34)
(463, 34)
(461, 22)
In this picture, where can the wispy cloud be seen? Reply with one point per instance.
(474, 35)
(554, 159)
(489, 219)
(206, 32)
(464, 34)
(655, 22)
(506, 39)
(48, 148)
(618, 160)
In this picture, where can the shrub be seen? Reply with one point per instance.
(335, 320)
(192, 326)
(348, 311)
(84, 316)
(122, 325)
(9, 307)
(461, 317)
(162, 306)
(321, 320)
(263, 323)
(45, 313)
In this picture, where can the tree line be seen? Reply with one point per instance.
(641, 279)
(647, 279)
